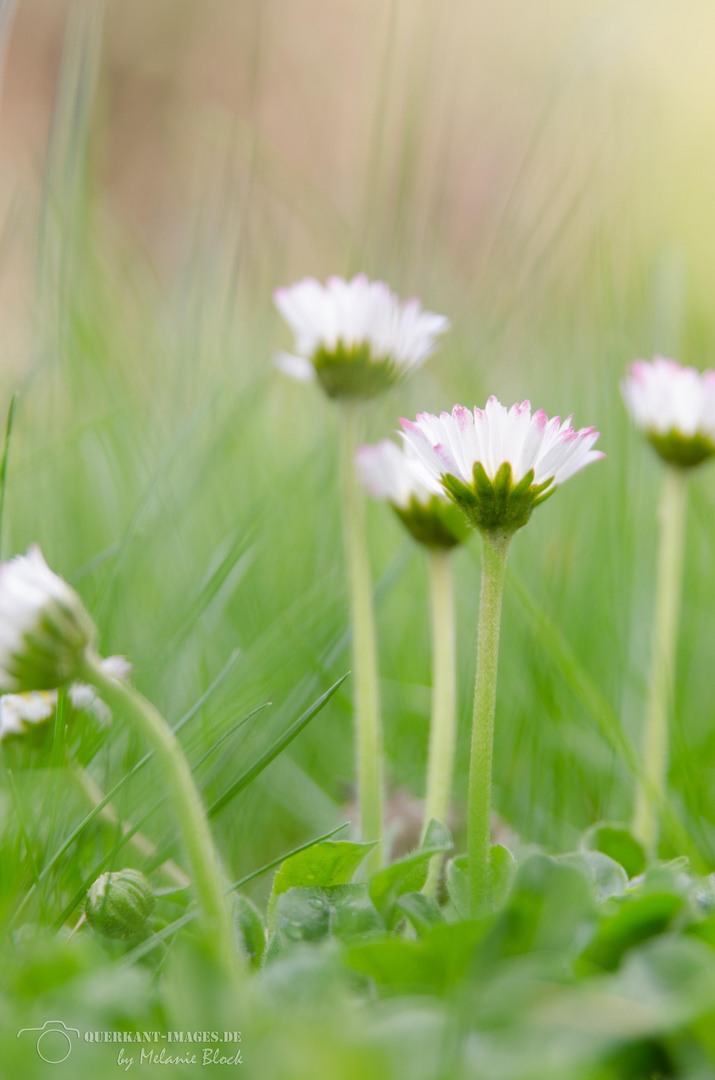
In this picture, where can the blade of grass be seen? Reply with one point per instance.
(598, 708)
(273, 751)
(15, 794)
(242, 782)
(89, 818)
(4, 462)
(156, 858)
(99, 868)
(228, 734)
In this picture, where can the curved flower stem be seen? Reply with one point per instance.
(443, 726)
(651, 787)
(496, 546)
(186, 802)
(368, 730)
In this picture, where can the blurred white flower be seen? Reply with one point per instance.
(85, 699)
(498, 463)
(388, 472)
(17, 710)
(36, 706)
(674, 406)
(356, 336)
(395, 475)
(44, 628)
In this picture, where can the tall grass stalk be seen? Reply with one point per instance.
(4, 463)
(651, 787)
(443, 729)
(187, 806)
(368, 728)
(495, 548)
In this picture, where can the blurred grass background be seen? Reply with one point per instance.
(540, 173)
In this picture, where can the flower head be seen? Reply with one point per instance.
(44, 628)
(394, 475)
(34, 707)
(675, 407)
(18, 710)
(355, 336)
(497, 464)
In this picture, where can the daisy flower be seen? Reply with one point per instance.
(355, 336)
(675, 407)
(17, 711)
(44, 628)
(495, 463)
(393, 475)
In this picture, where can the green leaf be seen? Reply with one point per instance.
(408, 874)
(352, 913)
(422, 911)
(302, 915)
(502, 866)
(702, 895)
(638, 918)
(437, 835)
(502, 869)
(249, 927)
(550, 907)
(313, 914)
(307, 974)
(674, 976)
(607, 877)
(616, 841)
(439, 960)
(332, 862)
(458, 885)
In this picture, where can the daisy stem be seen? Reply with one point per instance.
(651, 786)
(443, 725)
(367, 701)
(496, 545)
(186, 804)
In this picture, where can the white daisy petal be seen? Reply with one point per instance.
(357, 313)
(44, 628)
(17, 710)
(663, 397)
(296, 366)
(395, 475)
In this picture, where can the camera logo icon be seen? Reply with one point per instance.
(53, 1043)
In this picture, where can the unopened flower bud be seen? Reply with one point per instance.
(119, 904)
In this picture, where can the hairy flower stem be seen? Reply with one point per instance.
(444, 697)
(651, 787)
(186, 804)
(368, 730)
(496, 545)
